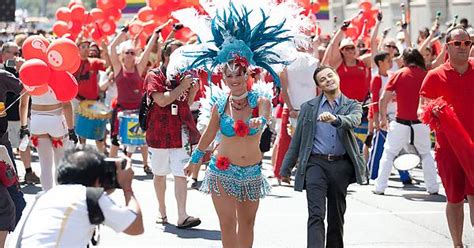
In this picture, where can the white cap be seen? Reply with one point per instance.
(346, 42)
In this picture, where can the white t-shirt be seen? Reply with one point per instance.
(301, 86)
(60, 218)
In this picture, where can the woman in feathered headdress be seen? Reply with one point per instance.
(234, 177)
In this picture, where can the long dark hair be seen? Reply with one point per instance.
(412, 56)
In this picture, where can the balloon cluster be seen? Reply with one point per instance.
(97, 23)
(157, 12)
(310, 6)
(363, 22)
(50, 66)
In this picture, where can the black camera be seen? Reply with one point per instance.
(109, 178)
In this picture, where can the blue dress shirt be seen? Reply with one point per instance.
(326, 140)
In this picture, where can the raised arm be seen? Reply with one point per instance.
(373, 39)
(114, 57)
(332, 56)
(145, 57)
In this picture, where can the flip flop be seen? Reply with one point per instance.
(162, 220)
(189, 222)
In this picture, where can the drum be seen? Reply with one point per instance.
(407, 159)
(129, 128)
(91, 119)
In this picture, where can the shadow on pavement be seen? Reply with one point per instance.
(31, 189)
(193, 233)
(425, 197)
(279, 196)
(143, 177)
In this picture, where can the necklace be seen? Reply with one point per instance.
(238, 106)
(234, 97)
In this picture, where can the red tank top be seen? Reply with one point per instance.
(355, 80)
(129, 89)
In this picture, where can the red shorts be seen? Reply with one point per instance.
(454, 179)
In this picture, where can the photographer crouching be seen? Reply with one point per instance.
(66, 215)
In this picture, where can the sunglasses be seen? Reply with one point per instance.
(84, 46)
(349, 48)
(391, 46)
(130, 53)
(458, 43)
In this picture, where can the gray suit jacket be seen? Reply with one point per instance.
(350, 113)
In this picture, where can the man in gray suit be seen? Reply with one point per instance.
(329, 158)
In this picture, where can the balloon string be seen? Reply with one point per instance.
(11, 104)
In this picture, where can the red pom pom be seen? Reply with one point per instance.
(241, 128)
(222, 163)
(431, 112)
(241, 61)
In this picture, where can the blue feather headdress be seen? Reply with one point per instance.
(235, 39)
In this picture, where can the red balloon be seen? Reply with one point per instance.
(35, 46)
(365, 5)
(62, 54)
(315, 7)
(135, 28)
(113, 14)
(75, 26)
(37, 91)
(145, 14)
(72, 3)
(154, 4)
(78, 12)
(70, 36)
(351, 31)
(120, 4)
(97, 14)
(142, 40)
(63, 14)
(75, 67)
(104, 4)
(108, 27)
(60, 28)
(64, 85)
(149, 27)
(34, 72)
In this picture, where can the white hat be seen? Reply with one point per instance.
(346, 42)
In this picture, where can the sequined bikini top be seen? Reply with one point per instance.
(227, 123)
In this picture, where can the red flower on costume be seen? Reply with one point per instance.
(57, 143)
(7, 174)
(241, 61)
(34, 140)
(222, 163)
(241, 128)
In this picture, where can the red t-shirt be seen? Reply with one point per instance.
(86, 77)
(355, 80)
(456, 89)
(406, 82)
(163, 128)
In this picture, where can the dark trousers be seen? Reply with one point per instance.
(329, 180)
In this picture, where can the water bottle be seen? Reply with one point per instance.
(24, 143)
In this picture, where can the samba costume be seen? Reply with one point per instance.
(256, 38)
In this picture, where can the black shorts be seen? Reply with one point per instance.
(7, 210)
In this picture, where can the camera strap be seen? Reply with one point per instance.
(96, 216)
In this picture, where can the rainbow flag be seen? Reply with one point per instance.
(323, 13)
(133, 6)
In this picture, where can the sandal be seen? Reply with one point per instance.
(162, 220)
(147, 169)
(189, 222)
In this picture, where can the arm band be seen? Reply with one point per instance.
(196, 156)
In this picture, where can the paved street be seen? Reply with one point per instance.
(404, 217)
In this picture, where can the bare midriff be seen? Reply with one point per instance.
(52, 107)
(241, 151)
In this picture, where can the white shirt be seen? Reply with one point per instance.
(301, 86)
(60, 218)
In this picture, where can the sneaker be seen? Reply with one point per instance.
(31, 178)
(409, 182)
(433, 193)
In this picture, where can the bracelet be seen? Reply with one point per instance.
(24, 127)
(263, 120)
(196, 156)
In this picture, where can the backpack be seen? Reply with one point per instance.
(146, 103)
